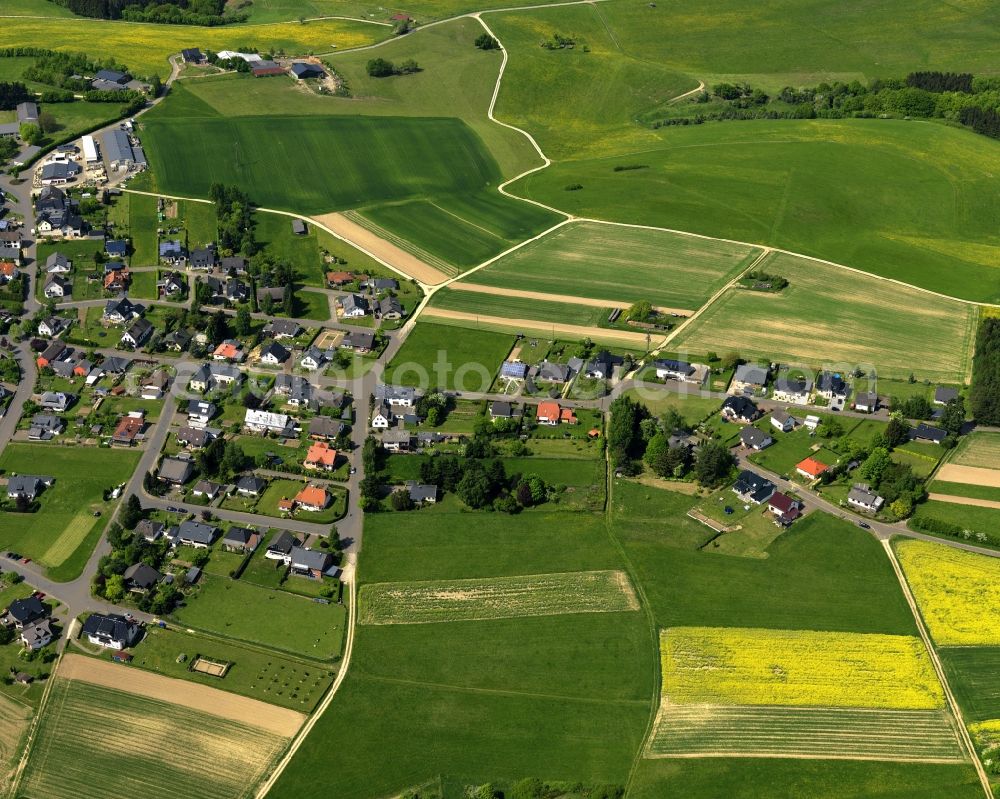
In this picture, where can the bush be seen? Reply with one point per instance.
(486, 42)
(380, 68)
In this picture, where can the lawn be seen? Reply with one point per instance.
(957, 592)
(142, 228)
(839, 320)
(90, 736)
(497, 598)
(266, 676)
(845, 190)
(979, 521)
(964, 490)
(433, 355)
(692, 407)
(62, 534)
(146, 46)
(311, 305)
(624, 264)
(274, 232)
(246, 612)
(286, 489)
(143, 286)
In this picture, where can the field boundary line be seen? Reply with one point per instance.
(957, 500)
(963, 732)
(792, 756)
(323, 705)
(569, 299)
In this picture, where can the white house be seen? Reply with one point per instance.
(381, 418)
(266, 422)
(864, 499)
(783, 421)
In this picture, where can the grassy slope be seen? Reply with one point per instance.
(477, 353)
(833, 316)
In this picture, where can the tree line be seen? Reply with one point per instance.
(173, 12)
(984, 396)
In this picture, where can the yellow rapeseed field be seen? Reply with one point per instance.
(732, 666)
(958, 592)
(144, 47)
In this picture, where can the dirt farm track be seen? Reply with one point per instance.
(277, 720)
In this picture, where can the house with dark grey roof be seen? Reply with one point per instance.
(862, 498)
(240, 539)
(195, 534)
(358, 340)
(250, 485)
(202, 258)
(194, 437)
(602, 365)
(172, 252)
(749, 379)
(274, 354)
(45, 427)
(111, 631)
(792, 389)
(283, 328)
(22, 612)
(943, 395)
(739, 409)
(308, 562)
(390, 308)
(499, 409)
(783, 420)
(751, 487)
(926, 432)
(137, 334)
(513, 370)
(755, 439)
(139, 577)
(206, 488)
(175, 470)
(553, 372)
(866, 402)
(27, 486)
(281, 546)
(421, 493)
(122, 310)
(150, 530)
(831, 385)
(353, 306)
(312, 359)
(58, 264)
(37, 635)
(57, 288)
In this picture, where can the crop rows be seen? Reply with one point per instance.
(496, 598)
(957, 592)
(690, 730)
(734, 666)
(94, 741)
(980, 450)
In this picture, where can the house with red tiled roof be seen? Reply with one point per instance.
(312, 498)
(8, 271)
(321, 456)
(548, 413)
(811, 468)
(339, 278)
(228, 350)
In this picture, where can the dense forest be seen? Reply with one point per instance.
(985, 395)
(175, 12)
(956, 97)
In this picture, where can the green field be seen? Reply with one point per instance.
(964, 490)
(838, 318)
(497, 598)
(971, 672)
(263, 675)
(609, 262)
(142, 229)
(145, 47)
(245, 612)
(981, 450)
(845, 190)
(95, 741)
(434, 356)
(62, 534)
(968, 517)
(519, 307)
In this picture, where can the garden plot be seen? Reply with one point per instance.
(496, 598)
(979, 450)
(96, 741)
(958, 592)
(800, 693)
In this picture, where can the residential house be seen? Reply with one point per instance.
(137, 334)
(58, 264)
(276, 294)
(500, 409)
(353, 306)
(321, 456)
(172, 252)
(199, 413)
(379, 284)
(672, 369)
(207, 489)
(513, 370)
(38, 635)
(115, 365)
(236, 291)
(863, 498)
(128, 429)
(783, 420)
(784, 508)
(548, 413)
(192, 55)
(274, 354)
(382, 417)
(233, 264)
(831, 385)
(59, 173)
(398, 439)
(155, 384)
(44, 427)
(57, 288)
(739, 409)
(195, 534)
(173, 285)
(55, 401)
(113, 76)
(323, 428)
(752, 488)
(177, 340)
(250, 485)
(360, 341)
(396, 396)
(116, 277)
(8, 272)
(202, 258)
(312, 498)
(240, 539)
(866, 402)
(390, 308)
(313, 563)
(139, 578)
(283, 328)
(24, 612)
(116, 248)
(281, 546)
(150, 530)
(421, 493)
(120, 311)
(755, 439)
(749, 379)
(795, 390)
(52, 352)
(267, 422)
(52, 326)
(810, 468)
(943, 395)
(176, 471)
(602, 365)
(111, 631)
(554, 372)
(194, 437)
(211, 376)
(312, 359)
(926, 432)
(338, 279)
(229, 350)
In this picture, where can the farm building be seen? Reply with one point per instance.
(90, 154)
(119, 152)
(303, 69)
(262, 68)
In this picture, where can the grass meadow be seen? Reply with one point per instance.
(63, 532)
(433, 355)
(829, 316)
(957, 592)
(95, 741)
(973, 518)
(981, 450)
(845, 190)
(971, 672)
(502, 305)
(610, 262)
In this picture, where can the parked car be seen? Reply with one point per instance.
(864, 525)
